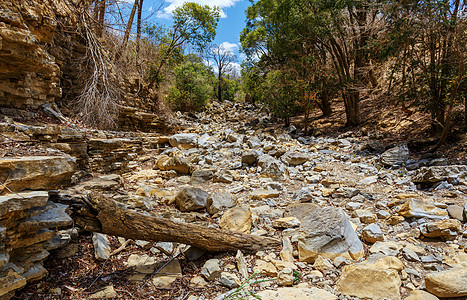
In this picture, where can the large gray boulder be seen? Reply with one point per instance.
(184, 140)
(191, 198)
(396, 155)
(328, 232)
(437, 173)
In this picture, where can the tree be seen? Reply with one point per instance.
(138, 26)
(192, 87)
(223, 58)
(193, 24)
(426, 39)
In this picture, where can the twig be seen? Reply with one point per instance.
(121, 248)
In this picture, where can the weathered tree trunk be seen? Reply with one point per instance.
(219, 86)
(100, 26)
(130, 23)
(102, 215)
(324, 103)
(138, 27)
(352, 108)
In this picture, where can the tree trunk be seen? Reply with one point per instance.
(325, 103)
(99, 214)
(130, 23)
(100, 26)
(219, 86)
(352, 108)
(138, 27)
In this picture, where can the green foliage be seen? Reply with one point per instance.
(192, 87)
(196, 24)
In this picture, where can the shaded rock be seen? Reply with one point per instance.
(52, 216)
(36, 172)
(105, 293)
(191, 198)
(167, 275)
(422, 208)
(435, 174)
(184, 140)
(10, 280)
(223, 176)
(328, 232)
(446, 229)
(250, 157)
(22, 201)
(323, 265)
(395, 156)
(237, 219)
(305, 194)
(220, 201)
(178, 164)
(101, 244)
(450, 283)
(200, 176)
(372, 233)
(211, 269)
(294, 158)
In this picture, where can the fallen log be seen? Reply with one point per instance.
(99, 214)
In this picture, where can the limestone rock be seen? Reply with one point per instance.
(369, 281)
(101, 246)
(286, 222)
(292, 293)
(10, 280)
(419, 208)
(237, 219)
(450, 283)
(446, 229)
(53, 215)
(191, 198)
(220, 201)
(395, 155)
(105, 293)
(271, 167)
(22, 201)
(285, 277)
(457, 212)
(184, 140)
(167, 275)
(294, 158)
(36, 172)
(211, 269)
(328, 232)
(372, 233)
(420, 295)
(265, 267)
(250, 157)
(260, 194)
(229, 280)
(178, 164)
(437, 173)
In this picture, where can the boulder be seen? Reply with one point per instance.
(395, 156)
(22, 201)
(450, 283)
(445, 229)
(430, 175)
(191, 198)
(178, 164)
(237, 219)
(292, 293)
(294, 158)
(271, 167)
(369, 281)
(220, 201)
(328, 232)
(184, 140)
(36, 172)
(422, 208)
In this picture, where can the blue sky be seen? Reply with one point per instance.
(230, 25)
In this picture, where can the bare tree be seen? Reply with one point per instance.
(138, 26)
(223, 58)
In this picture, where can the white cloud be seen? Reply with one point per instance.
(229, 46)
(220, 3)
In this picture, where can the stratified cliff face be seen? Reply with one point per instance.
(34, 51)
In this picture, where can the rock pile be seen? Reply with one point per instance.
(30, 224)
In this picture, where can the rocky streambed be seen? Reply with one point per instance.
(356, 220)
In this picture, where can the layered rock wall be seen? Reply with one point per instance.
(29, 72)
